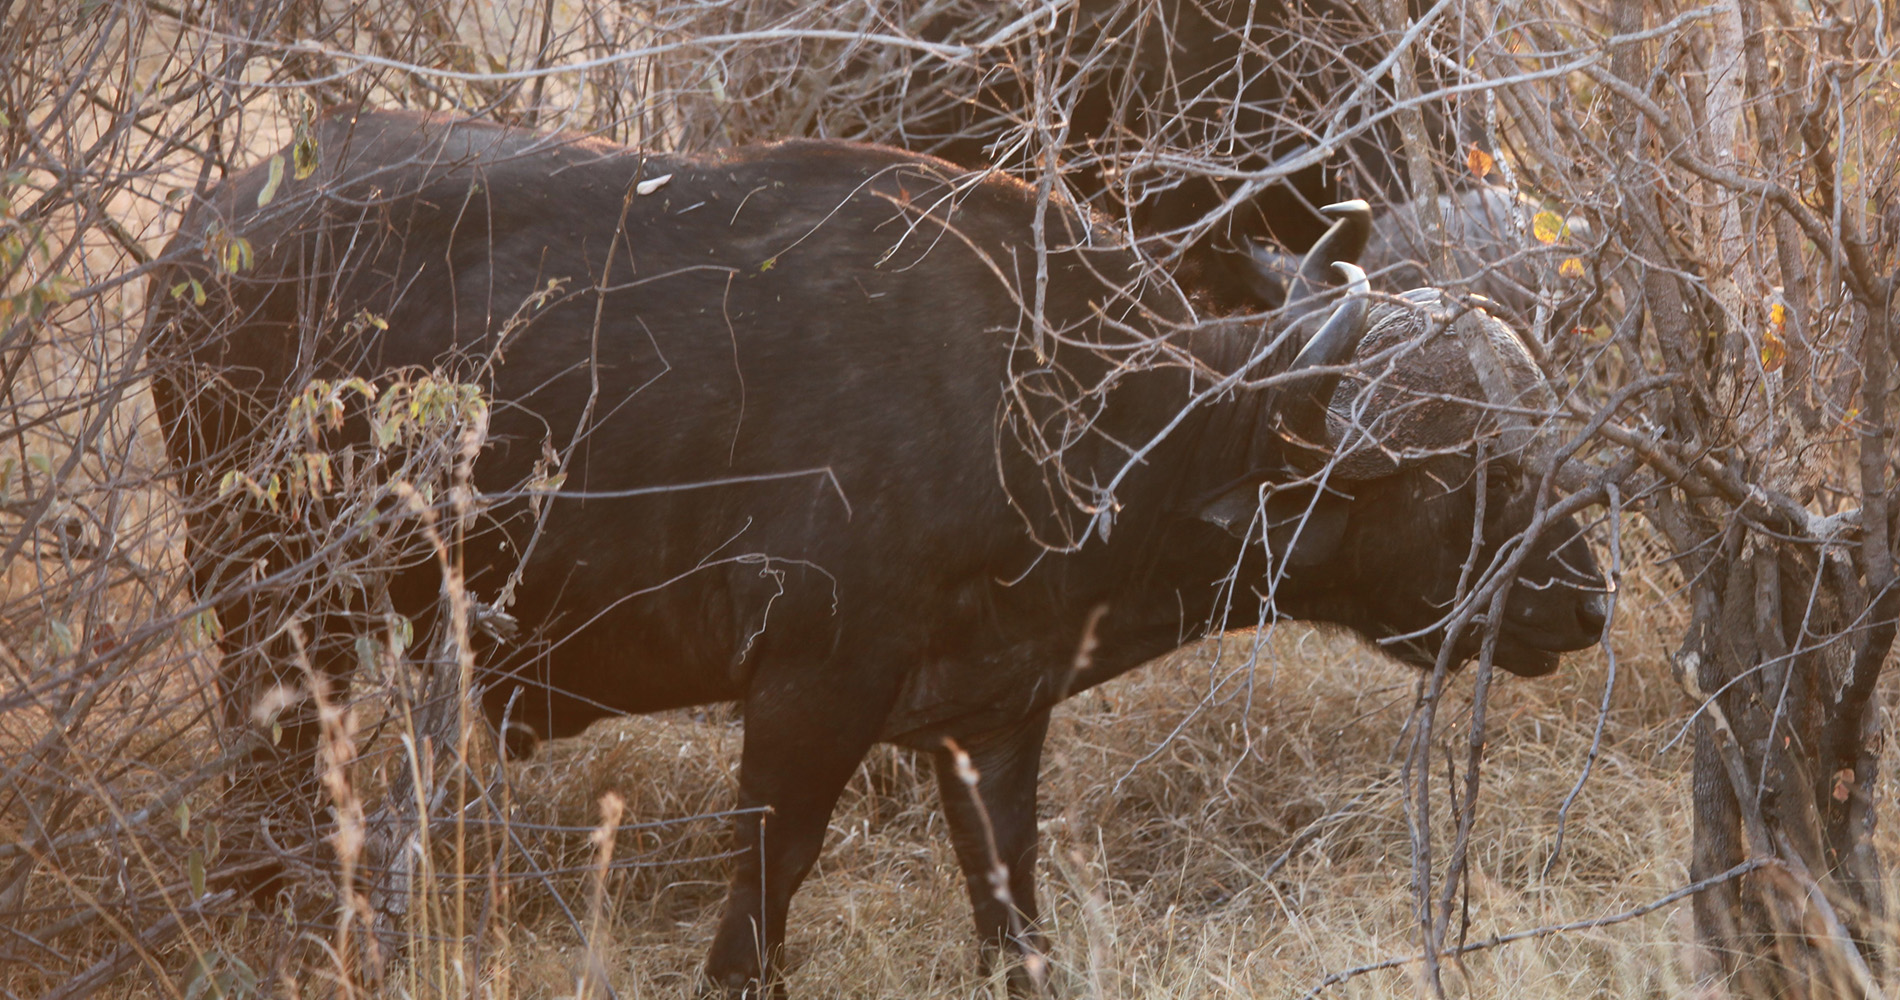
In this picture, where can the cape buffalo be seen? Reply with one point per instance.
(839, 444)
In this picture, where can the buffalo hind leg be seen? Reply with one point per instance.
(803, 742)
(1007, 763)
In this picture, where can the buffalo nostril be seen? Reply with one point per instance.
(1593, 614)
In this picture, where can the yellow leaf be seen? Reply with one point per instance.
(1571, 268)
(270, 184)
(1778, 315)
(1548, 227)
(237, 255)
(1774, 353)
(1479, 161)
(305, 153)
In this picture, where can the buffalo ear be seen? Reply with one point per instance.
(1319, 525)
(1269, 274)
(1233, 510)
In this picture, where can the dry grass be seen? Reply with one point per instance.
(1166, 801)
(1207, 832)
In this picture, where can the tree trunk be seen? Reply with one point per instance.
(1785, 762)
(1780, 521)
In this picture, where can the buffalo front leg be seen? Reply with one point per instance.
(270, 686)
(803, 741)
(994, 832)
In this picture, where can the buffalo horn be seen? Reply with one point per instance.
(1303, 408)
(1341, 244)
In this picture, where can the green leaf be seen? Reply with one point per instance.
(183, 812)
(197, 293)
(62, 636)
(270, 185)
(56, 289)
(195, 871)
(241, 981)
(200, 978)
(202, 629)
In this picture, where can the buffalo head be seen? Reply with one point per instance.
(1424, 476)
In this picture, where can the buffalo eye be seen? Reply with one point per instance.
(1504, 478)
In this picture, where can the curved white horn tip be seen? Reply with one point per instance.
(1354, 275)
(1349, 207)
